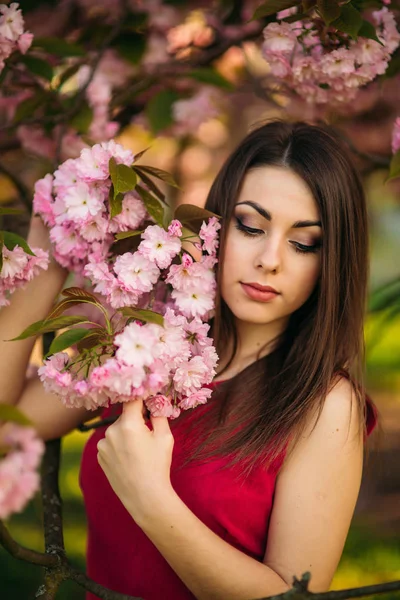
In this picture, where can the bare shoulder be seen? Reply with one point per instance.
(337, 426)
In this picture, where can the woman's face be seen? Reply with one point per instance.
(273, 240)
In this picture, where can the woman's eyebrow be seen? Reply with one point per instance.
(267, 215)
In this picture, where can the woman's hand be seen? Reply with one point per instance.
(137, 461)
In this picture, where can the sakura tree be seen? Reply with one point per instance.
(75, 76)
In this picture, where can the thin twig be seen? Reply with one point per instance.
(97, 424)
(22, 553)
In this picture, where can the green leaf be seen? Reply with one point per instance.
(193, 216)
(67, 303)
(10, 211)
(150, 183)
(350, 21)
(127, 234)
(12, 239)
(394, 171)
(367, 30)
(13, 414)
(149, 316)
(329, 10)
(58, 46)
(92, 339)
(130, 46)
(211, 76)
(139, 155)
(68, 73)
(159, 110)
(152, 204)
(38, 66)
(67, 339)
(271, 7)
(48, 325)
(385, 296)
(123, 177)
(159, 174)
(27, 107)
(83, 119)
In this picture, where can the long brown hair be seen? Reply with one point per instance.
(255, 414)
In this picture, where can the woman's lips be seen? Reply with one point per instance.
(259, 293)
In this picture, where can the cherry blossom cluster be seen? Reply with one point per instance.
(19, 479)
(18, 268)
(12, 34)
(396, 136)
(74, 203)
(165, 364)
(332, 71)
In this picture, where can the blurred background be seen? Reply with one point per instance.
(372, 552)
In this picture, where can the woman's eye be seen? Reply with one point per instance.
(251, 231)
(305, 249)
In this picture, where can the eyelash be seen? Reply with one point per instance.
(251, 232)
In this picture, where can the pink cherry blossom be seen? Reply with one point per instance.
(135, 345)
(209, 234)
(132, 215)
(191, 375)
(161, 406)
(24, 42)
(191, 113)
(14, 261)
(158, 246)
(199, 397)
(175, 228)
(19, 480)
(11, 22)
(136, 272)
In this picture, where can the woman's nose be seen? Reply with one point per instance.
(269, 258)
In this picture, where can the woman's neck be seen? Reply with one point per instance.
(254, 342)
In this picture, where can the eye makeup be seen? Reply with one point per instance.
(254, 232)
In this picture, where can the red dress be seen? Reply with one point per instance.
(121, 557)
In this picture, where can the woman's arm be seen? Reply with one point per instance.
(316, 493)
(315, 497)
(27, 305)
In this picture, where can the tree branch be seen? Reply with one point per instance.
(22, 553)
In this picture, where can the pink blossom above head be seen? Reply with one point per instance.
(159, 247)
(34, 140)
(191, 113)
(40, 261)
(199, 397)
(161, 406)
(279, 37)
(11, 21)
(396, 136)
(136, 272)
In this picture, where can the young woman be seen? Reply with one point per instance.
(235, 498)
